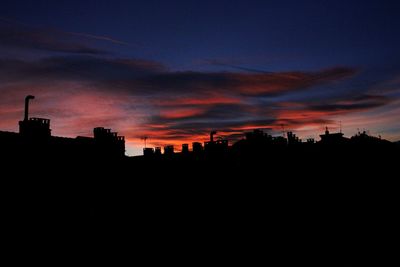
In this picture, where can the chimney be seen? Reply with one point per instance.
(27, 98)
(212, 136)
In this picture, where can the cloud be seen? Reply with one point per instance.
(98, 37)
(149, 77)
(223, 63)
(245, 84)
(24, 37)
(95, 70)
(334, 106)
(351, 106)
(145, 98)
(305, 112)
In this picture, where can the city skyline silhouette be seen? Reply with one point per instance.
(37, 131)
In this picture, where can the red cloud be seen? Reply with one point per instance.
(274, 83)
(205, 99)
(180, 113)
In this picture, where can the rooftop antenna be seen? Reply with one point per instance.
(340, 126)
(283, 130)
(145, 139)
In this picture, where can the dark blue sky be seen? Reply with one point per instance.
(270, 35)
(174, 70)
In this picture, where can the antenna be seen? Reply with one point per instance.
(283, 130)
(145, 139)
(340, 126)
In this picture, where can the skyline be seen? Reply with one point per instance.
(173, 72)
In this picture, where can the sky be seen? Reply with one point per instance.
(172, 71)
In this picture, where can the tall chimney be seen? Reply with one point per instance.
(212, 136)
(27, 98)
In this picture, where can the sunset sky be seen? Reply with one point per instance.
(175, 70)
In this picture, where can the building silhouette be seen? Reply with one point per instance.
(157, 151)
(218, 146)
(37, 128)
(185, 148)
(34, 138)
(108, 143)
(197, 147)
(333, 138)
(169, 150)
(148, 152)
(292, 139)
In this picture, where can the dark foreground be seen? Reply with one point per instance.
(320, 207)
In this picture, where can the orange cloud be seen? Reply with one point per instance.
(179, 113)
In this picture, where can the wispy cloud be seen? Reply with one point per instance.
(18, 35)
(231, 65)
(98, 37)
(13, 36)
